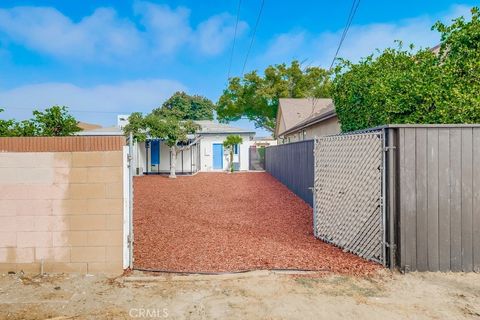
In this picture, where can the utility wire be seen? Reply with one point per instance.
(234, 39)
(353, 10)
(253, 36)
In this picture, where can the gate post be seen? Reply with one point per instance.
(390, 169)
(314, 187)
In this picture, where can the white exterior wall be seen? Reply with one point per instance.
(206, 150)
(206, 157)
(140, 159)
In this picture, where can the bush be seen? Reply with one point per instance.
(400, 86)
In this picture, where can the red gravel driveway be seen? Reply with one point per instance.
(214, 222)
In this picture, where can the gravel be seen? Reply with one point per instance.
(220, 222)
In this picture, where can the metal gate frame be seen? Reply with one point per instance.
(382, 134)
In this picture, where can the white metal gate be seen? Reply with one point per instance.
(348, 204)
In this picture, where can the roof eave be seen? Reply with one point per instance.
(327, 115)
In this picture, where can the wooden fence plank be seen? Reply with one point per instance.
(432, 199)
(444, 199)
(410, 199)
(456, 199)
(421, 198)
(467, 170)
(476, 199)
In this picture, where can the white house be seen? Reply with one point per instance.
(204, 152)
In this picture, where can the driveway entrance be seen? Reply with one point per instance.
(215, 222)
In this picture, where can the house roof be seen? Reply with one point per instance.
(106, 131)
(87, 126)
(293, 111)
(208, 127)
(317, 117)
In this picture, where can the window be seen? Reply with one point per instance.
(235, 149)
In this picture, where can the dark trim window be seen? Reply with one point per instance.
(235, 149)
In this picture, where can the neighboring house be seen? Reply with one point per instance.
(263, 142)
(87, 126)
(102, 131)
(302, 119)
(203, 152)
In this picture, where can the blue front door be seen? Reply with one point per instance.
(217, 156)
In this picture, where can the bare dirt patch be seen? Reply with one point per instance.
(215, 222)
(253, 295)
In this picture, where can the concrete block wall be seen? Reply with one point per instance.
(64, 209)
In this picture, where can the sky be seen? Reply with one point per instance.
(105, 57)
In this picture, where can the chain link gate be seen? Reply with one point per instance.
(348, 204)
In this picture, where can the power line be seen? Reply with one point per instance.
(234, 38)
(253, 36)
(353, 10)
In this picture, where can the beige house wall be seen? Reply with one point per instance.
(64, 209)
(326, 127)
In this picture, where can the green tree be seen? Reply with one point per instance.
(173, 131)
(6, 126)
(186, 107)
(230, 142)
(24, 128)
(403, 86)
(256, 97)
(55, 121)
(136, 126)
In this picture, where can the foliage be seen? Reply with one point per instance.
(261, 153)
(136, 126)
(173, 123)
(54, 121)
(170, 129)
(185, 107)
(229, 143)
(6, 126)
(401, 86)
(256, 97)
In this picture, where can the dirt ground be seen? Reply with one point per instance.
(253, 295)
(229, 222)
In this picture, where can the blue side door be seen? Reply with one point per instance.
(155, 152)
(217, 156)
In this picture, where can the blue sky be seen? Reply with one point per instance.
(104, 57)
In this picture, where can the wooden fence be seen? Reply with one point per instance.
(435, 199)
(430, 193)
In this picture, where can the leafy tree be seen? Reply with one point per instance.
(256, 97)
(24, 128)
(55, 121)
(6, 126)
(170, 129)
(403, 86)
(136, 126)
(230, 142)
(460, 65)
(186, 107)
(173, 131)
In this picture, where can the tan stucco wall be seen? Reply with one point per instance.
(327, 127)
(63, 208)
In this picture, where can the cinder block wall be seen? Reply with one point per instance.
(62, 208)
